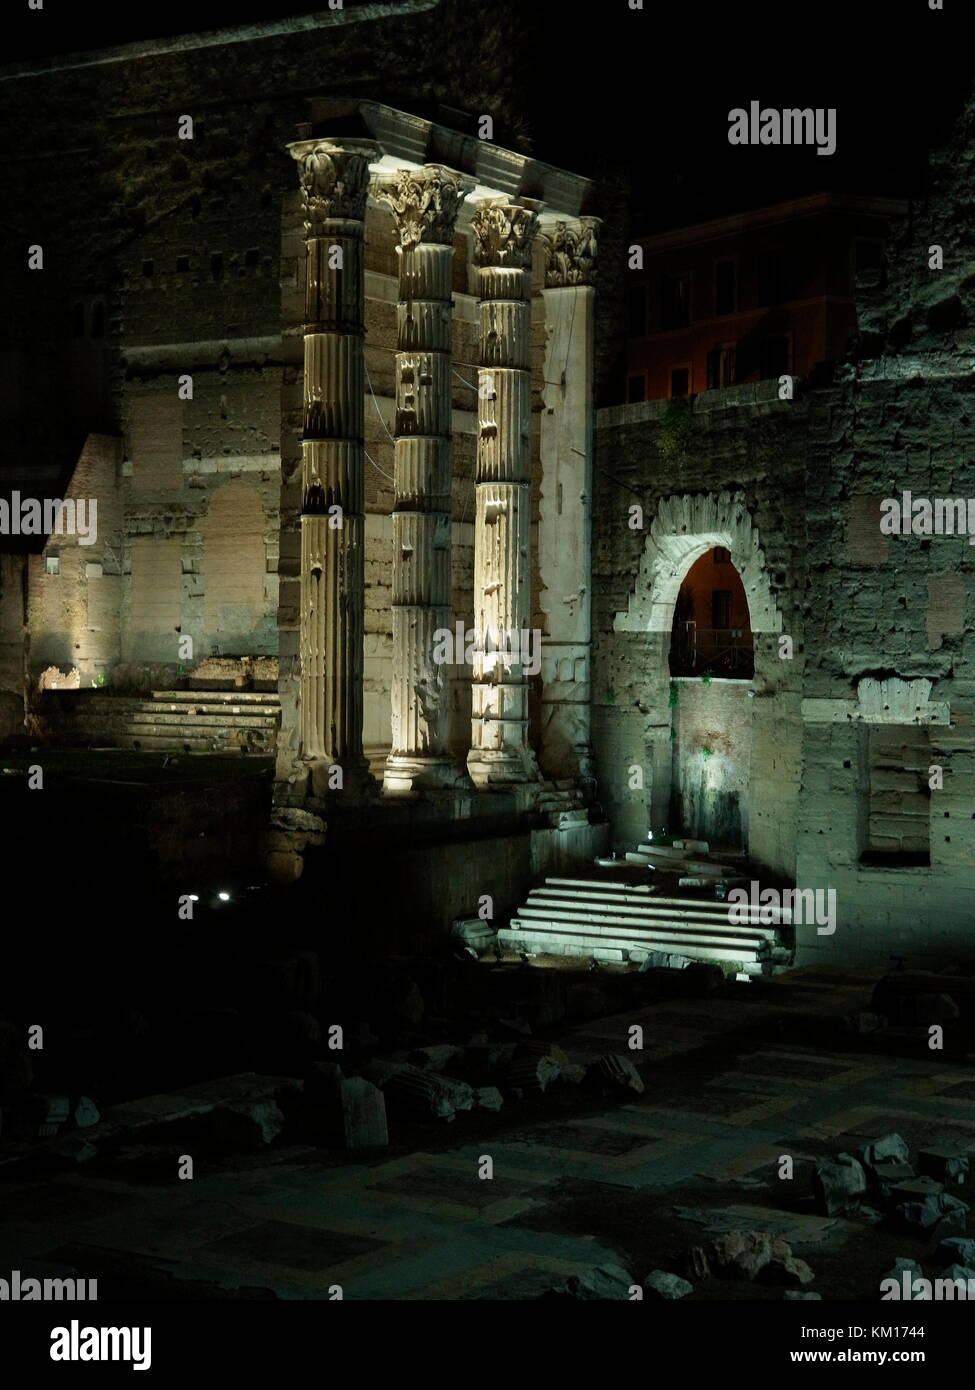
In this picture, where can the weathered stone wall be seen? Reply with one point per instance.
(870, 615)
(712, 746)
(194, 248)
(73, 615)
(743, 444)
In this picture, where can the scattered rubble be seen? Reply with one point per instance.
(949, 1166)
(838, 1184)
(660, 1284)
(614, 1073)
(957, 1250)
(748, 1255)
(363, 1114)
(603, 1282)
(938, 1214)
(901, 1267)
(474, 933)
(246, 1125)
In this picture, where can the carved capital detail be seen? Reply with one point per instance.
(504, 233)
(425, 203)
(334, 180)
(571, 253)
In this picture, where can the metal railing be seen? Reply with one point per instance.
(711, 651)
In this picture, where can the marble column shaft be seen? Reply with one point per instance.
(425, 203)
(500, 752)
(335, 184)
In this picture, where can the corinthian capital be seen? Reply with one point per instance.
(425, 203)
(571, 253)
(334, 179)
(504, 233)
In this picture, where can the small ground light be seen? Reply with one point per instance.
(224, 897)
(742, 975)
(194, 897)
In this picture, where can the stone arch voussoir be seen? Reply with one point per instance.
(684, 528)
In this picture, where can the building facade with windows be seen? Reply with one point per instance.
(752, 297)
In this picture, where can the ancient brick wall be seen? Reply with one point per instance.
(829, 803)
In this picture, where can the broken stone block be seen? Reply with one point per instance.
(742, 1254)
(957, 1250)
(799, 1296)
(838, 1184)
(436, 1057)
(461, 1093)
(85, 1112)
(938, 1214)
(363, 1114)
(247, 1125)
(422, 1093)
(532, 1073)
(660, 1284)
(696, 1263)
(488, 1098)
(944, 1165)
(890, 1149)
(887, 1176)
(664, 960)
(474, 933)
(901, 1267)
(614, 1073)
(788, 1270)
(603, 1282)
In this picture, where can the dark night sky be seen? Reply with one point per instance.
(652, 89)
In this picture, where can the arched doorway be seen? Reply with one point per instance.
(644, 715)
(711, 663)
(711, 633)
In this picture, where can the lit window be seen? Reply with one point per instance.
(52, 564)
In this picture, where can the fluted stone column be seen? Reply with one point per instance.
(565, 499)
(335, 184)
(500, 752)
(425, 203)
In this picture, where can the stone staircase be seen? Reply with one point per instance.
(620, 920)
(193, 721)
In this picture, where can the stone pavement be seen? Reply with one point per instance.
(729, 1090)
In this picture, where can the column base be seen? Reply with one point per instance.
(502, 768)
(407, 775)
(332, 780)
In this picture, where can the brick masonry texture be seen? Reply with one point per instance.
(897, 415)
